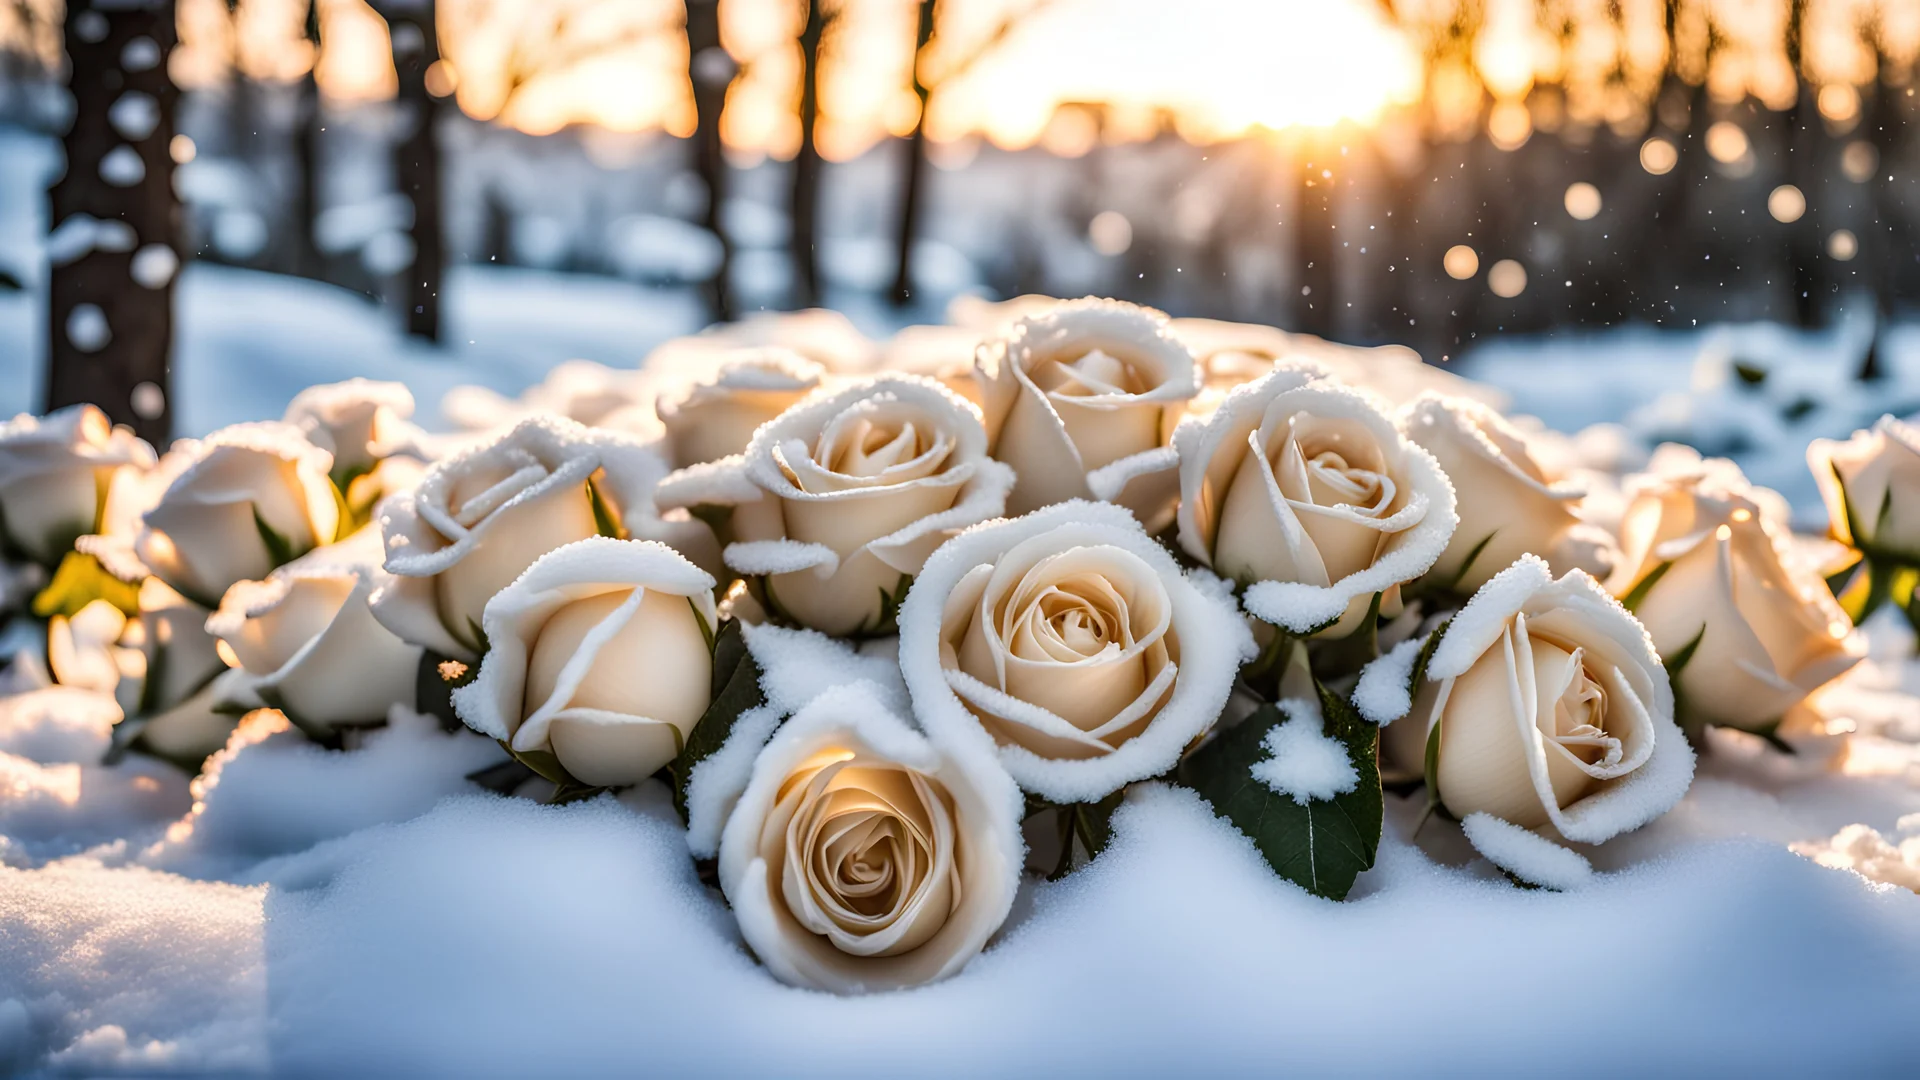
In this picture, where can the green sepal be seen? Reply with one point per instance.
(79, 581)
(887, 622)
(606, 519)
(1638, 594)
(735, 689)
(1344, 656)
(279, 549)
(1453, 585)
(1085, 827)
(1690, 726)
(1323, 845)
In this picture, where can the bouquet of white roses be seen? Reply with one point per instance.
(898, 627)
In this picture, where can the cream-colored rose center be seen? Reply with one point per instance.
(1094, 373)
(873, 444)
(1084, 635)
(867, 852)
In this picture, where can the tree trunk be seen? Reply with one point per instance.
(911, 195)
(110, 326)
(711, 71)
(1887, 247)
(1313, 243)
(806, 165)
(416, 161)
(306, 155)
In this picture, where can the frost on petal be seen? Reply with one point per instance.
(1306, 765)
(1526, 854)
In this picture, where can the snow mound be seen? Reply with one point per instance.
(1383, 693)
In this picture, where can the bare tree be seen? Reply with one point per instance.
(416, 159)
(805, 208)
(308, 124)
(711, 72)
(925, 81)
(116, 249)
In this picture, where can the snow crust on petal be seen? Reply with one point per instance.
(719, 779)
(1306, 765)
(1382, 694)
(780, 557)
(797, 666)
(1526, 854)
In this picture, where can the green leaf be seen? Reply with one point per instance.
(1323, 845)
(1419, 673)
(1093, 823)
(606, 518)
(79, 581)
(887, 621)
(735, 689)
(1453, 586)
(279, 549)
(1355, 651)
(434, 682)
(1638, 594)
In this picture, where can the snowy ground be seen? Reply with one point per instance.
(318, 913)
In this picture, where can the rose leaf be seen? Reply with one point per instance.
(79, 581)
(1321, 845)
(736, 688)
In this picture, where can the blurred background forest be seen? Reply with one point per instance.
(1426, 172)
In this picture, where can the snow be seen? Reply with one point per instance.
(1525, 854)
(1305, 764)
(1385, 690)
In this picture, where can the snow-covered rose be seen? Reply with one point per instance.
(1071, 641)
(1550, 708)
(1702, 565)
(839, 500)
(716, 418)
(861, 858)
(598, 660)
(1231, 353)
(54, 472)
(358, 421)
(480, 518)
(1304, 486)
(303, 641)
(1506, 503)
(1871, 485)
(255, 496)
(1081, 401)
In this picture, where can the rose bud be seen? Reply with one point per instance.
(1545, 705)
(479, 519)
(598, 661)
(838, 501)
(861, 858)
(1304, 485)
(1506, 503)
(717, 417)
(1071, 641)
(304, 642)
(1745, 635)
(253, 497)
(1081, 401)
(54, 472)
(1871, 485)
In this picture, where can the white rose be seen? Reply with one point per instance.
(1071, 641)
(1549, 708)
(941, 353)
(861, 858)
(1081, 401)
(480, 518)
(599, 659)
(716, 417)
(1871, 485)
(1231, 353)
(1701, 564)
(1304, 486)
(838, 501)
(54, 473)
(358, 421)
(85, 650)
(253, 497)
(304, 642)
(1506, 503)
(823, 336)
